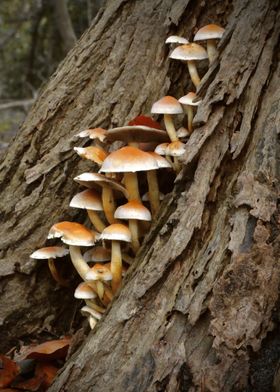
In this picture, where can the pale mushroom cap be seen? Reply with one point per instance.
(176, 39)
(84, 291)
(161, 161)
(211, 31)
(99, 272)
(97, 255)
(189, 52)
(167, 105)
(87, 199)
(50, 252)
(92, 153)
(88, 310)
(128, 159)
(145, 197)
(73, 233)
(161, 148)
(117, 232)
(96, 180)
(176, 149)
(183, 132)
(188, 99)
(93, 133)
(136, 133)
(133, 210)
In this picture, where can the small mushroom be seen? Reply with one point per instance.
(75, 235)
(188, 101)
(190, 53)
(93, 133)
(97, 254)
(210, 33)
(93, 153)
(115, 233)
(91, 201)
(176, 39)
(50, 253)
(133, 211)
(167, 106)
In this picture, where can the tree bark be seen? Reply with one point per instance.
(198, 308)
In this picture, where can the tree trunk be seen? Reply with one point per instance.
(64, 24)
(198, 308)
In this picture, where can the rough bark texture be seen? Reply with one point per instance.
(199, 307)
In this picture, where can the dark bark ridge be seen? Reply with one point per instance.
(200, 297)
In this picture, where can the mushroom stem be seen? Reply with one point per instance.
(133, 227)
(189, 112)
(131, 184)
(170, 127)
(78, 261)
(108, 296)
(193, 72)
(100, 289)
(211, 50)
(109, 205)
(94, 306)
(153, 191)
(116, 265)
(177, 165)
(96, 221)
(92, 321)
(55, 274)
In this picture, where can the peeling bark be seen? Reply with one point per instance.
(196, 312)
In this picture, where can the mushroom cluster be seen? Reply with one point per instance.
(124, 196)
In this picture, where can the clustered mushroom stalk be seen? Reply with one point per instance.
(142, 135)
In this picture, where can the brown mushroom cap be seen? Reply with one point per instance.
(98, 255)
(73, 233)
(97, 180)
(175, 149)
(84, 291)
(133, 210)
(167, 105)
(87, 199)
(161, 148)
(176, 39)
(189, 52)
(137, 134)
(93, 153)
(50, 252)
(189, 99)
(128, 159)
(116, 232)
(211, 31)
(99, 272)
(161, 161)
(93, 133)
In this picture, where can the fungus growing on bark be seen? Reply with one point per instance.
(176, 39)
(134, 134)
(97, 180)
(133, 211)
(188, 101)
(91, 201)
(116, 233)
(190, 53)
(98, 254)
(129, 160)
(75, 235)
(93, 133)
(210, 33)
(183, 132)
(93, 153)
(167, 106)
(50, 253)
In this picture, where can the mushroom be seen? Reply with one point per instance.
(93, 133)
(116, 232)
(86, 292)
(50, 253)
(190, 53)
(99, 273)
(161, 150)
(210, 33)
(129, 160)
(188, 101)
(183, 132)
(93, 315)
(93, 180)
(97, 254)
(91, 201)
(75, 235)
(167, 106)
(175, 39)
(93, 153)
(133, 211)
(176, 149)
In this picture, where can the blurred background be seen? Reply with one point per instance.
(35, 35)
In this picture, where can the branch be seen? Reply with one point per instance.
(13, 104)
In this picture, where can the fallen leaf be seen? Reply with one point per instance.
(52, 349)
(8, 371)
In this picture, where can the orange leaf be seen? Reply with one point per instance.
(146, 121)
(44, 374)
(53, 349)
(8, 371)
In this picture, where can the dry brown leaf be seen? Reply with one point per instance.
(53, 349)
(8, 371)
